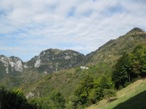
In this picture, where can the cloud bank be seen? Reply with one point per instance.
(29, 26)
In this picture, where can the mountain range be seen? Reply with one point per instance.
(47, 61)
(52, 60)
(15, 72)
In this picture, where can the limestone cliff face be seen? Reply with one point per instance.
(11, 64)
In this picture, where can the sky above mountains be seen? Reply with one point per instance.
(29, 26)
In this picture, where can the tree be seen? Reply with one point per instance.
(83, 89)
(95, 95)
(14, 99)
(109, 93)
(120, 74)
(58, 100)
(91, 90)
(104, 82)
(130, 66)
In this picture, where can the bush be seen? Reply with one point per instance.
(108, 93)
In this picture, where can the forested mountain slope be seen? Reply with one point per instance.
(112, 50)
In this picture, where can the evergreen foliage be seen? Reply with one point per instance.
(130, 66)
(91, 90)
(54, 101)
(14, 99)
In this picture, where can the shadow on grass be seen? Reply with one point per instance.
(136, 102)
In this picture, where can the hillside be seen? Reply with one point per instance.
(131, 97)
(112, 50)
(62, 81)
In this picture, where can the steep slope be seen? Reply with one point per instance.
(112, 50)
(131, 97)
(65, 81)
(53, 60)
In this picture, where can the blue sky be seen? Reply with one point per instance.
(28, 27)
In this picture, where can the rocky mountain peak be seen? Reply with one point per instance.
(16, 63)
(50, 52)
(11, 63)
(51, 60)
(135, 30)
(112, 50)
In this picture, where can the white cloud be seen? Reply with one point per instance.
(82, 25)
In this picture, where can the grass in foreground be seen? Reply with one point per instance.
(130, 97)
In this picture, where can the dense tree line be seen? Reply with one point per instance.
(130, 67)
(14, 99)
